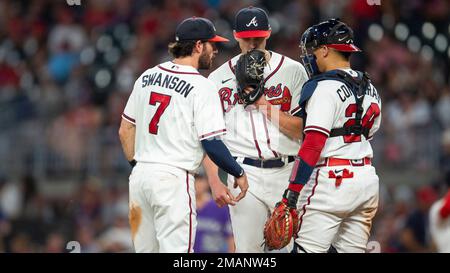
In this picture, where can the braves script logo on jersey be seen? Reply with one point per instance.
(253, 22)
(276, 95)
(227, 101)
(273, 95)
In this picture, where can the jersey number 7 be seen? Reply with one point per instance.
(367, 120)
(163, 101)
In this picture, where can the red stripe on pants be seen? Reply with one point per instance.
(190, 212)
(309, 200)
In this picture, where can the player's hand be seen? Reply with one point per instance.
(262, 103)
(221, 194)
(248, 89)
(242, 182)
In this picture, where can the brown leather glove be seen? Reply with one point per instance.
(282, 225)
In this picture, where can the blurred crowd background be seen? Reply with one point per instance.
(66, 72)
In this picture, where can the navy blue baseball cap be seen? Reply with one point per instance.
(251, 22)
(197, 28)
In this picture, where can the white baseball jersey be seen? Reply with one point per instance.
(333, 105)
(250, 134)
(173, 108)
(440, 228)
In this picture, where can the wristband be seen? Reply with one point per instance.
(132, 162)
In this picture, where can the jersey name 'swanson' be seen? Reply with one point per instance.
(167, 81)
(173, 108)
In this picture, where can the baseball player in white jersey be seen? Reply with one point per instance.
(333, 182)
(440, 221)
(265, 136)
(171, 114)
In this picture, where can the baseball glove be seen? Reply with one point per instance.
(249, 70)
(281, 226)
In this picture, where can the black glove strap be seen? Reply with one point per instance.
(291, 197)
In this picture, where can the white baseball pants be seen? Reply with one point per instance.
(162, 209)
(338, 214)
(248, 216)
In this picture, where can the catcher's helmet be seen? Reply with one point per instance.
(332, 33)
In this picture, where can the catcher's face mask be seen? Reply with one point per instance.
(309, 61)
(307, 56)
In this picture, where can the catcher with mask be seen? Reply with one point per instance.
(259, 91)
(333, 178)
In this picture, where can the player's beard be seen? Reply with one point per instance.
(205, 60)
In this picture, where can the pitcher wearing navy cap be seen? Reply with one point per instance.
(252, 22)
(172, 118)
(263, 137)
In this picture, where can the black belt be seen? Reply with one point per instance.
(266, 164)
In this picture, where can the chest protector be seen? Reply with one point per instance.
(358, 86)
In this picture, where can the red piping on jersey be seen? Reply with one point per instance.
(128, 118)
(212, 133)
(268, 137)
(254, 136)
(190, 212)
(275, 71)
(178, 72)
(231, 66)
(317, 128)
(309, 200)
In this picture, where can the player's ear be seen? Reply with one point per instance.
(198, 47)
(324, 51)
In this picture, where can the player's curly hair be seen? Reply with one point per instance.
(181, 49)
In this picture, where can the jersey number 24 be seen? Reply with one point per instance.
(367, 120)
(163, 101)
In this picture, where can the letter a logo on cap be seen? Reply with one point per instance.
(253, 22)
